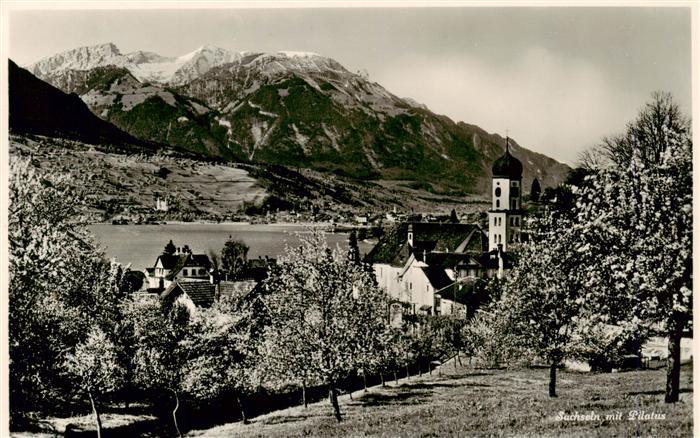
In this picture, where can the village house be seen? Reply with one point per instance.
(178, 275)
(432, 267)
(181, 265)
(161, 204)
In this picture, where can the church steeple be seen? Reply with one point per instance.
(505, 214)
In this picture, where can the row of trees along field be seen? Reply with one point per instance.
(78, 338)
(609, 259)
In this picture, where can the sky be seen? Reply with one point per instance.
(555, 79)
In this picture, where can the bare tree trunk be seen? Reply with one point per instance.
(459, 358)
(553, 379)
(396, 378)
(408, 374)
(381, 375)
(242, 409)
(364, 379)
(333, 395)
(177, 405)
(303, 393)
(98, 421)
(673, 362)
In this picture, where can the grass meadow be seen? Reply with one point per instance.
(475, 402)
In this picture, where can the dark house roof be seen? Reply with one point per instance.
(204, 293)
(175, 262)
(489, 260)
(437, 277)
(393, 246)
(167, 260)
(448, 260)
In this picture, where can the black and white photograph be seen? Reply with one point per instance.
(347, 219)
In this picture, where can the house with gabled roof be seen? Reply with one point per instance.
(182, 265)
(204, 293)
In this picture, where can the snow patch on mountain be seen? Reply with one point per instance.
(261, 111)
(294, 54)
(199, 109)
(226, 124)
(301, 139)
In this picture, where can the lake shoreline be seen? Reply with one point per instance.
(140, 245)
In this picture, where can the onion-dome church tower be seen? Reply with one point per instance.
(505, 216)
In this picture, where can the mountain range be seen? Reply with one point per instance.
(296, 109)
(38, 108)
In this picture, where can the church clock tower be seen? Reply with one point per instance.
(505, 216)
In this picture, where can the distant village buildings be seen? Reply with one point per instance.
(161, 204)
(432, 268)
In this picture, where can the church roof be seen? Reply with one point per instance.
(393, 247)
(507, 166)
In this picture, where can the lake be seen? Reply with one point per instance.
(140, 245)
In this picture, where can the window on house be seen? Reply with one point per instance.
(498, 191)
(202, 272)
(184, 272)
(499, 238)
(495, 221)
(514, 205)
(498, 203)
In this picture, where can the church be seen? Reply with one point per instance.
(432, 268)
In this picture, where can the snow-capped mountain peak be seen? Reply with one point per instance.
(152, 67)
(82, 58)
(145, 66)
